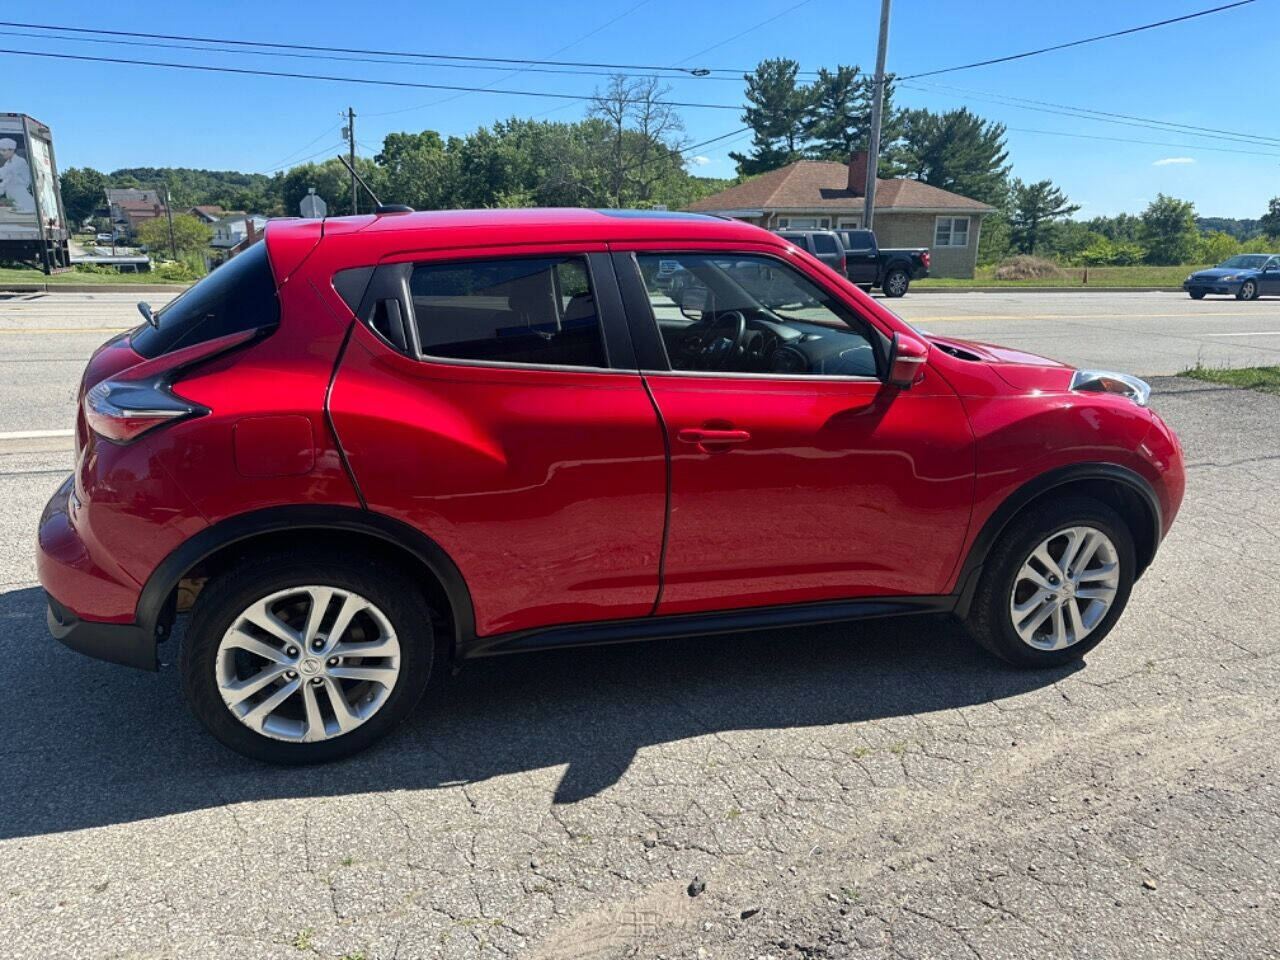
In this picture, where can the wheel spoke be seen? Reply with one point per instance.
(315, 721)
(260, 616)
(1042, 554)
(1035, 576)
(1092, 540)
(350, 607)
(320, 597)
(1075, 539)
(240, 640)
(1059, 629)
(382, 647)
(1078, 629)
(383, 675)
(258, 715)
(1029, 626)
(234, 694)
(1105, 572)
(347, 718)
(1096, 593)
(1020, 610)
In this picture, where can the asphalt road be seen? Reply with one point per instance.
(854, 791)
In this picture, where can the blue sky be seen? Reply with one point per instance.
(1219, 71)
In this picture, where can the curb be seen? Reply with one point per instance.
(93, 287)
(1019, 289)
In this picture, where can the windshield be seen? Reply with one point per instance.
(1246, 261)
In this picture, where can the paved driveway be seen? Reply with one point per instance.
(852, 790)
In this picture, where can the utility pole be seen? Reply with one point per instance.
(168, 208)
(877, 109)
(351, 152)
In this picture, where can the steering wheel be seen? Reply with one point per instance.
(715, 349)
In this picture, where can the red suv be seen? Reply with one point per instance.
(370, 446)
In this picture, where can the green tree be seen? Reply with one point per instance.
(190, 235)
(645, 136)
(1033, 208)
(1215, 246)
(777, 112)
(957, 151)
(1122, 227)
(1270, 221)
(1168, 233)
(82, 192)
(333, 185)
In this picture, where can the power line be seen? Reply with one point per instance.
(275, 45)
(1085, 114)
(1154, 143)
(1077, 43)
(742, 33)
(1173, 126)
(282, 163)
(368, 81)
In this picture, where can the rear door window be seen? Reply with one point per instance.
(535, 310)
(237, 296)
(824, 243)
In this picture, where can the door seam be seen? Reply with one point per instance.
(666, 513)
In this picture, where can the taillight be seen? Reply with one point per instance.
(132, 402)
(924, 259)
(844, 263)
(123, 410)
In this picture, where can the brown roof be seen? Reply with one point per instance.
(821, 185)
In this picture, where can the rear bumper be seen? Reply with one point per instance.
(102, 625)
(123, 643)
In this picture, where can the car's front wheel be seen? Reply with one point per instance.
(301, 660)
(1054, 584)
(1197, 294)
(1248, 291)
(896, 283)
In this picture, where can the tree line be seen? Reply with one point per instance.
(629, 151)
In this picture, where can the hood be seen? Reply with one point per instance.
(1218, 273)
(1019, 369)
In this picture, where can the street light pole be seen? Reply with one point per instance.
(877, 110)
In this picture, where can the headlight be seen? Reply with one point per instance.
(1105, 381)
(1232, 277)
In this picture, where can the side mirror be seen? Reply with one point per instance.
(693, 301)
(907, 357)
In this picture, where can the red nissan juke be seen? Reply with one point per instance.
(369, 446)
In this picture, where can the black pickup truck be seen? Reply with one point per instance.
(869, 265)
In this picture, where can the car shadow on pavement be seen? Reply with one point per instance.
(87, 744)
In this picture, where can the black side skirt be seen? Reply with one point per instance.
(703, 624)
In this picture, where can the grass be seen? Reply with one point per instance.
(1136, 276)
(16, 275)
(1264, 379)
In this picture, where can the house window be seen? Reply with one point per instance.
(850, 223)
(803, 223)
(951, 232)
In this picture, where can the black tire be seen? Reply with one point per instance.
(223, 599)
(1248, 290)
(1197, 294)
(989, 621)
(895, 283)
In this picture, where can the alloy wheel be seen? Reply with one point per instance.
(897, 283)
(308, 663)
(1065, 588)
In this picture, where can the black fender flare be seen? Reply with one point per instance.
(154, 611)
(967, 581)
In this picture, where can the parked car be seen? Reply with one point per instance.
(370, 447)
(105, 238)
(869, 265)
(823, 244)
(1245, 276)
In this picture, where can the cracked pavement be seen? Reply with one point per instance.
(867, 790)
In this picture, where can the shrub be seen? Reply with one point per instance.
(1215, 246)
(1024, 267)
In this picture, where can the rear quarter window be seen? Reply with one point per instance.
(237, 296)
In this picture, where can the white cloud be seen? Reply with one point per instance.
(1169, 161)
(699, 161)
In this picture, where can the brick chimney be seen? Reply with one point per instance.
(858, 174)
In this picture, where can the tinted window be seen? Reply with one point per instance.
(239, 295)
(857, 240)
(824, 243)
(753, 314)
(537, 310)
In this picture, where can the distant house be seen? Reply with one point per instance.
(233, 234)
(208, 213)
(812, 194)
(130, 207)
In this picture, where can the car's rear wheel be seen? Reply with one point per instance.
(896, 283)
(1054, 584)
(303, 660)
(1197, 294)
(1248, 291)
